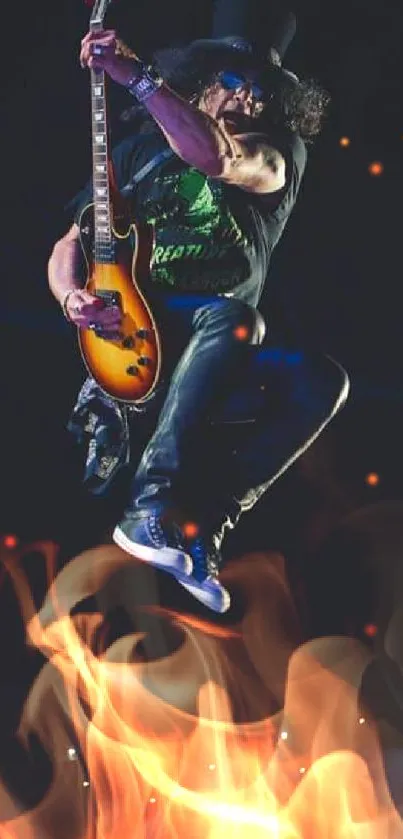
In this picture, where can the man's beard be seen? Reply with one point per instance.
(237, 122)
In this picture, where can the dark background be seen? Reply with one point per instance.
(335, 284)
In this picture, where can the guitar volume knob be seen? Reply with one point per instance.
(128, 342)
(143, 333)
(144, 360)
(132, 370)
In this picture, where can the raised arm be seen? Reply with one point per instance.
(194, 135)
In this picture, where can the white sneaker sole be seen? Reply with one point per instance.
(208, 598)
(176, 562)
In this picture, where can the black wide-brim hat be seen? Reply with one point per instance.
(237, 52)
(279, 40)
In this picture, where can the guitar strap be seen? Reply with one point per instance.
(145, 170)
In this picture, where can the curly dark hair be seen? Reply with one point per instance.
(297, 105)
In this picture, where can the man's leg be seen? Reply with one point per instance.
(214, 359)
(299, 395)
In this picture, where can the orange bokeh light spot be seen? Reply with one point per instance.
(190, 529)
(345, 141)
(241, 332)
(376, 168)
(370, 630)
(10, 541)
(372, 479)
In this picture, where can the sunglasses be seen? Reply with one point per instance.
(235, 82)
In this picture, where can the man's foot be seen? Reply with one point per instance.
(146, 537)
(203, 582)
(194, 563)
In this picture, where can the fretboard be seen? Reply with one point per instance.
(103, 237)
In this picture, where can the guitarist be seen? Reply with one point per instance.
(237, 125)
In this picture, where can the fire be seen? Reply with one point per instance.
(239, 728)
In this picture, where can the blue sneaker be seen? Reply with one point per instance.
(203, 583)
(146, 537)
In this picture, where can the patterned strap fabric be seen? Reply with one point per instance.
(146, 169)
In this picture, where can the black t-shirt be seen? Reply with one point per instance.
(209, 236)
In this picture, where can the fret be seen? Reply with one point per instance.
(105, 260)
(104, 248)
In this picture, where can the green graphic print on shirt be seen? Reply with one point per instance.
(199, 245)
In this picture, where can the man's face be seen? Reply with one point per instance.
(234, 98)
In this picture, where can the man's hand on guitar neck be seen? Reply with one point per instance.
(101, 50)
(87, 311)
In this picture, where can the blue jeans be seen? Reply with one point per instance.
(235, 414)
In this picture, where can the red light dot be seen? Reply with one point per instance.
(345, 141)
(190, 529)
(376, 168)
(10, 541)
(241, 332)
(372, 479)
(370, 630)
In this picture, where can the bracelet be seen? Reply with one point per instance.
(64, 304)
(145, 84)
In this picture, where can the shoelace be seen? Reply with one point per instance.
(205, 562)
(157, 531)
(160, 536)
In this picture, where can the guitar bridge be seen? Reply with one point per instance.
(110, 298)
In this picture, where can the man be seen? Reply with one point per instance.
(219, 205)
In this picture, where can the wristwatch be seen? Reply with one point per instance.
(145, 83)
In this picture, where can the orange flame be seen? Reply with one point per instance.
(233, 727)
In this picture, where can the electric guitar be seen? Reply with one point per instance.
(126, 368)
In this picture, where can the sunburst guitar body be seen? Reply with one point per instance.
(126, 368)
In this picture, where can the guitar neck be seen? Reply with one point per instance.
(103, 237)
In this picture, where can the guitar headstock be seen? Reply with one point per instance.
(99, 8)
